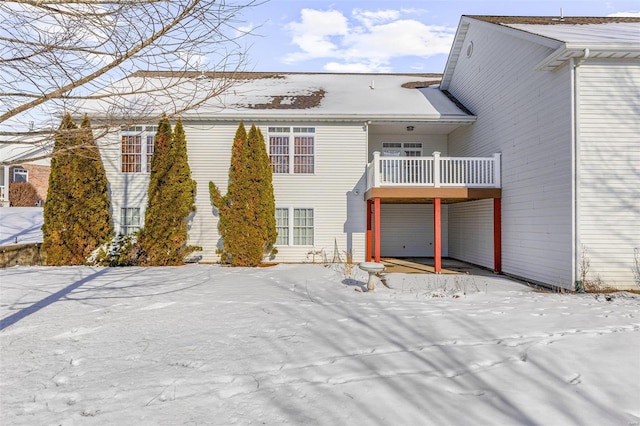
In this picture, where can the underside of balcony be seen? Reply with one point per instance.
(416, 195)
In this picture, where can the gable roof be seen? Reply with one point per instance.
(569, 36)
(553, 20)
(296, 96)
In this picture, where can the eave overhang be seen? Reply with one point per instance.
(583, 51)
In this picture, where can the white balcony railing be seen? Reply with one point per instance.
(3, 194)
(435, 171)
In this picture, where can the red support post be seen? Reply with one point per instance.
(368, 243)
(437, 236)
(497, 235)
(376, 224)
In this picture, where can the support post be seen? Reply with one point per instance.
(497, 235)
(376, 224)
(437, 236)
(368, 237)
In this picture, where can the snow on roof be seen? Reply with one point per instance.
(573, 29)
(587, 33)
(301, 95)
(605, 37)
(13, 152)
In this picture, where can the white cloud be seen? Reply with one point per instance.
(625, 14)
(314, 32)
(369, 18)
(369, 41)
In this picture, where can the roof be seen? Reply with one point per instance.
(568, 36)
(553, 20)
(573, 29)
(14, 153)
(297, 96)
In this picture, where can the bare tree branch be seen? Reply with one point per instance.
(66, 55)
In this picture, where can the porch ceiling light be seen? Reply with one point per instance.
(410, 128)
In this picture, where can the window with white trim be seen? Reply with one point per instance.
(282, 227)
(402, 149)
(292, 145)
(136, 155)
(129, 220)
(20, 175)
(297, 223)
(302, 227)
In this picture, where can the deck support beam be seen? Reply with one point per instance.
(368, 234)
(497, 235)
(437, 236)
(376, 224)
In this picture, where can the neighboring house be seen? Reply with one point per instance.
(23, 163)
(525, 156)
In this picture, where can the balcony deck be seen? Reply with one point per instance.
(422, 179)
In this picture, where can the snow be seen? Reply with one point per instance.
(615, 32)
(20, 225)
(296, 344)
(345, 97)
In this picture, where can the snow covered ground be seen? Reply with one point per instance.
(20, 225)
(297, 344)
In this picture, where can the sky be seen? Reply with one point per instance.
(387, 36)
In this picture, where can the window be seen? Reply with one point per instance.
(406, 170)
(292, 146)
(279, 154)
(398, 149)
(136, 156)
(301, 227)
(20, 175)
(150, 143)
(282, 227)
(129, 220)
(131, 153)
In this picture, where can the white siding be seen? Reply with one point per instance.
(526, 115)
(430, 143)
(125, 189)
(339, 214)
(471, 227)
(609, 168)
(407, 230)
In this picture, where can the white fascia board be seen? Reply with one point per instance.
(454, 54)
(461, 33)
(337, 118)
(584, 51)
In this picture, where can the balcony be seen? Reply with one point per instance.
(422, 178)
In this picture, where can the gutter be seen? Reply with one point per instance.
(575, 166)
(340, 118)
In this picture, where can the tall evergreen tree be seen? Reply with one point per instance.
(247, 211)
(56, 231)
(171, 198)
(77, 216)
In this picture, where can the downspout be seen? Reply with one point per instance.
(575, 167)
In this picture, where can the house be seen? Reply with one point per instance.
(523, 157)
(559, 98)
(321, 130)
(23, 163)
